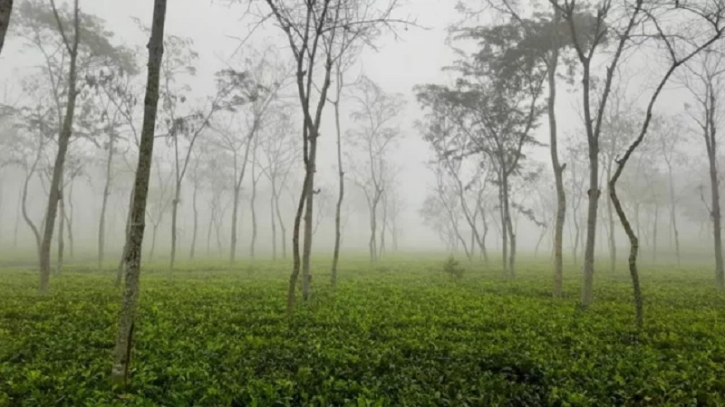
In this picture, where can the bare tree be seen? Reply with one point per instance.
(124, 339)
(279, 154)
(371, 140)
(319, 32)
(704, 80)
(668, 34)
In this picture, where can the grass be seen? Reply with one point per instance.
(401, 333)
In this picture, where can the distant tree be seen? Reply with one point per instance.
(159, 199)
(704, 80)
(375, 134)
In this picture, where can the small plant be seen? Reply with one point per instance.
(453, 268)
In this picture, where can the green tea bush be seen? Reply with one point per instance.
(407, 337)
(453, 268)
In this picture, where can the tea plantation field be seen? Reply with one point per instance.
(401, 333)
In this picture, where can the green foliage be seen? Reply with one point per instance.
(406, 336)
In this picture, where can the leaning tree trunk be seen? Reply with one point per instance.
(104, 205)
(372, 243)
(6, 8)
(610, 220)
(133, 257)
(69, 220)
(633, 251)
(63, 140)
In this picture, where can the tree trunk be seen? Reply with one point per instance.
(272, 217)
(104, 205)
(654, 234)
(673, 217)
(63, 140)
(633, 251)
(235, 214)
(296, 263)
(69, 220)
(133, 257)
(610, 234)
(120, 270)
(307, 249)
(17, 219)
(591, 235)
(61, 232)
(372, 242)
(174, 213)
(153, 242)
(208, 234)
(715, 205)
(504, 227)
(252, 205)
(24, 206)
(341, 192)
(555, 163)
(192, 251)
(281, 226)
(6, 8)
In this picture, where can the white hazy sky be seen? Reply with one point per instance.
(416, 57)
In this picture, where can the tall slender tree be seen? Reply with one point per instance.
(124, 338)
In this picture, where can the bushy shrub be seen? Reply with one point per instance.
(453, 268)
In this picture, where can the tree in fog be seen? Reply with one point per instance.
(319, 33)
(124, 339)
(701, 24)
(704, 79)
(375, 133)
(159, 199)
(82, 43)
(279, 153)
(258, 88)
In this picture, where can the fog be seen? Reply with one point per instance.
(225, 35)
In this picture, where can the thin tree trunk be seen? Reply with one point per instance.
(63, 140)
(174, 213)
(281, 226)
(715, 194)
(591, 233)
(24, 206)
(372, 242)
(654, 234)
(133, 257)
(69, 220)
(272, 216)
(252, 204)
(673, 217)
(61, 232)
(341, 190)
(104, 204)
(235, 214)
(6, 8)
(307, 249)
(610, 234)
(557, 167)
(296, 263)
(17, 219)
(192, 251)
(633, 251)
(208, 234)
(153, 242)
(120, 269)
